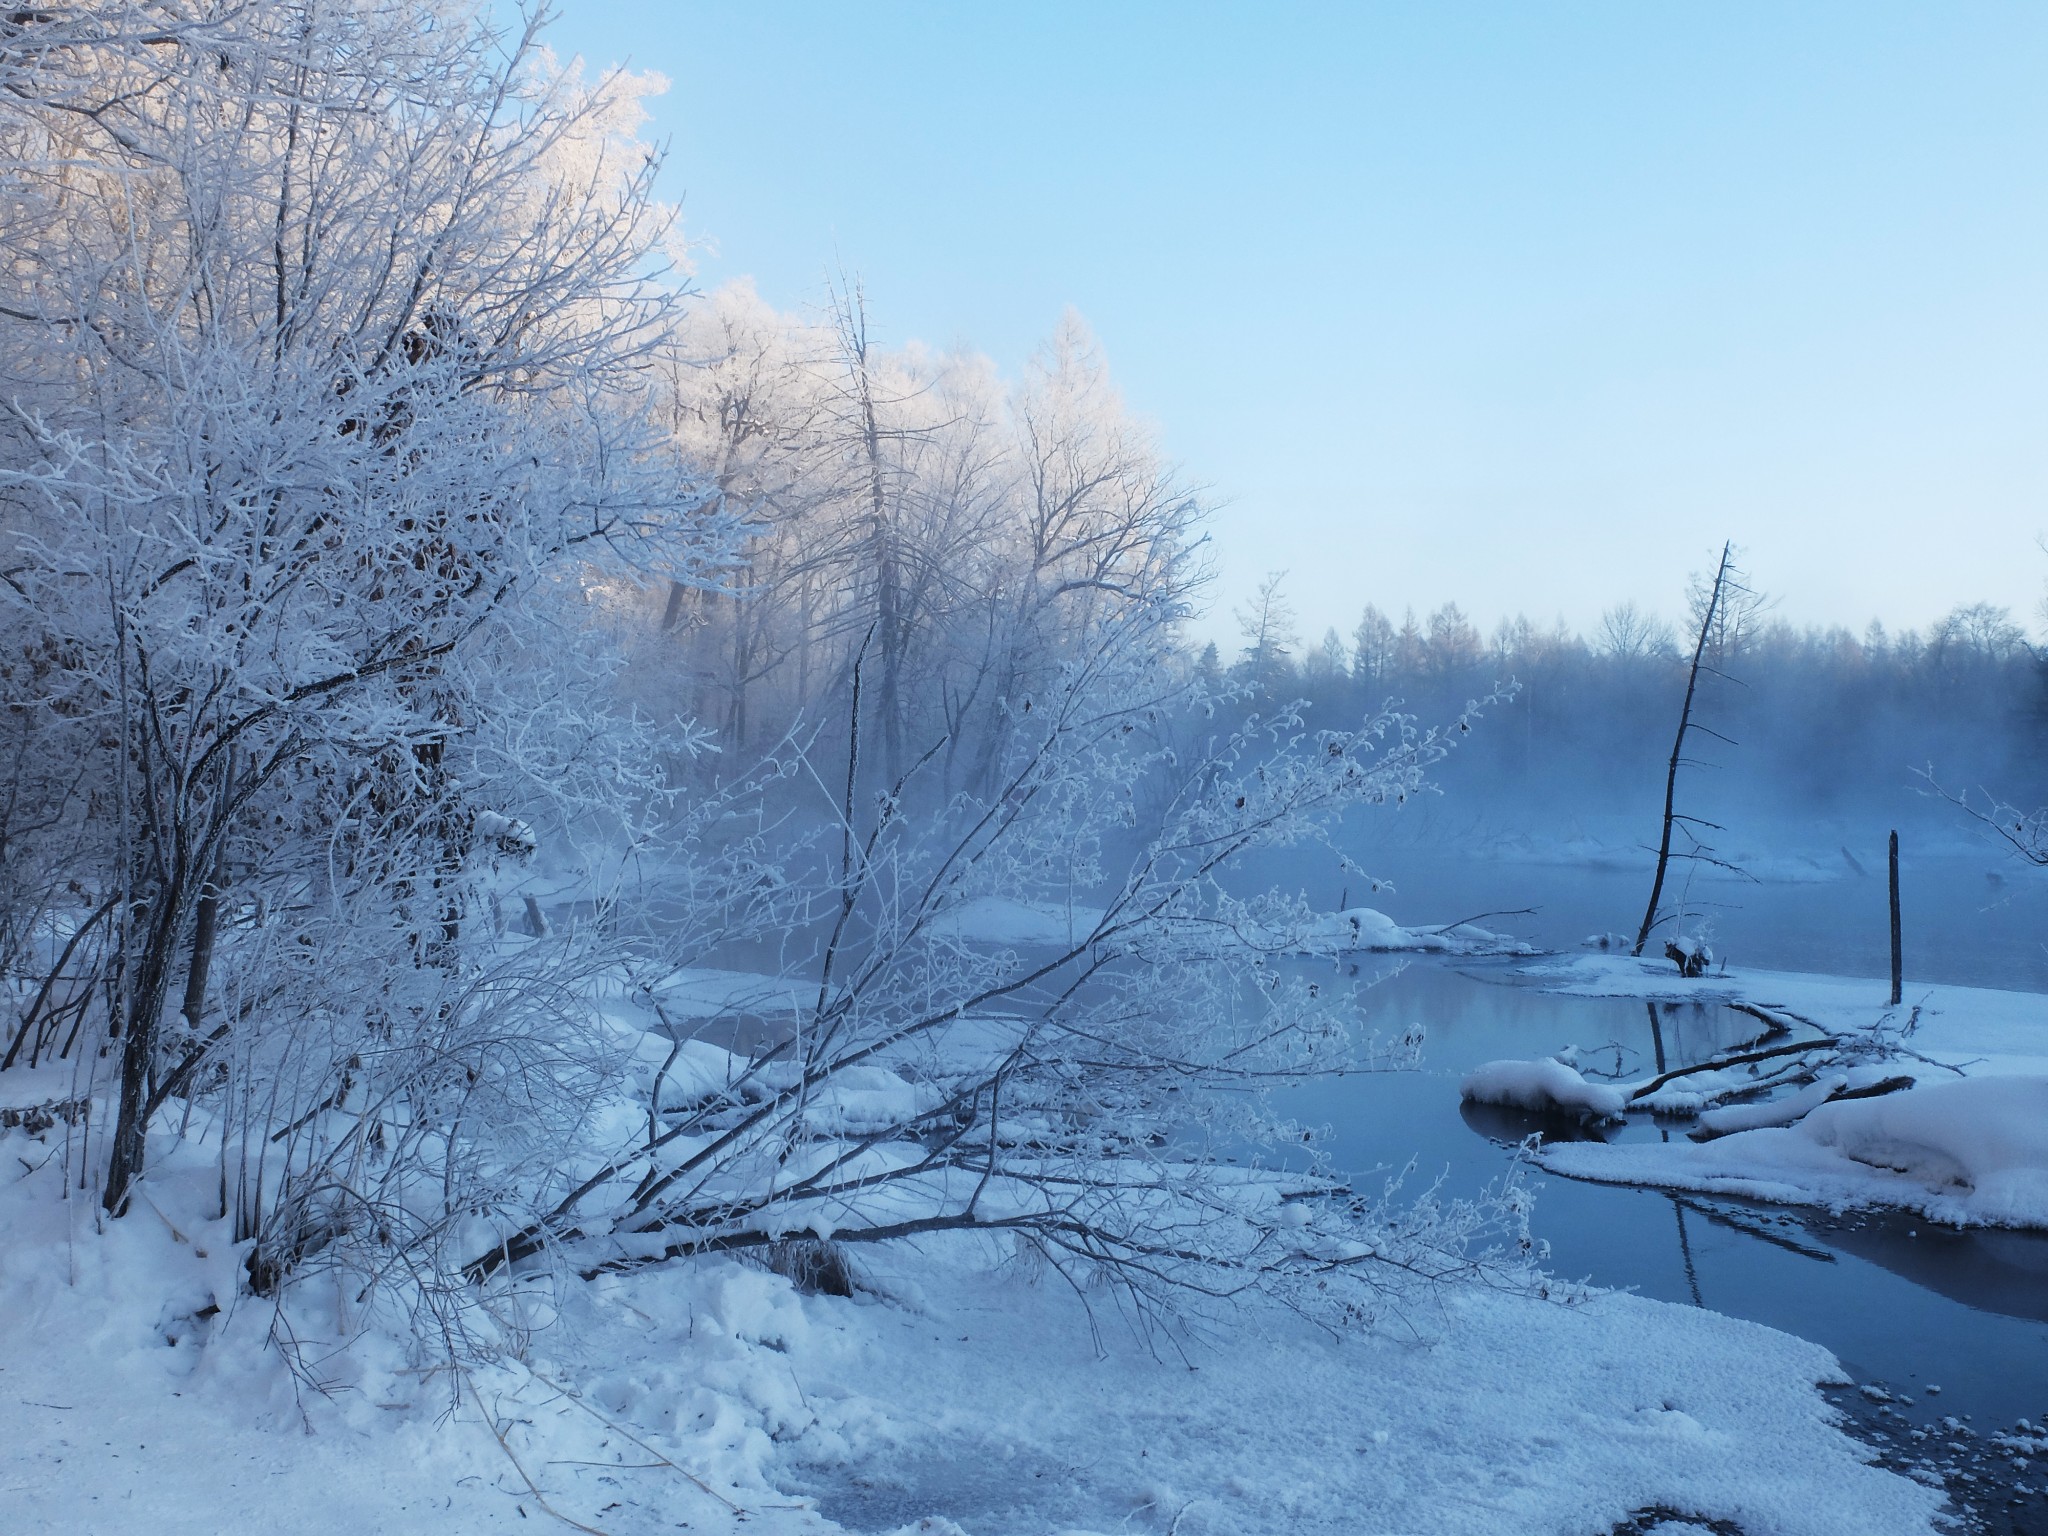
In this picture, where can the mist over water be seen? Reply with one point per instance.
(1811, 749)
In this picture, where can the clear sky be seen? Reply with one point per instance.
(1523, 305)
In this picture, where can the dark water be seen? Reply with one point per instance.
(1905, 1305)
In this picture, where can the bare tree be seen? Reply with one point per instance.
(933, 1080)
(1628, 634)
(1722, 616)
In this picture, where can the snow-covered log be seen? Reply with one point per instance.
(1543, 1087)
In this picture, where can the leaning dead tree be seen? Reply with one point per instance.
(1727, 603)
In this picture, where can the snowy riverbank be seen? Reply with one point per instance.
(960, 1389)
(951, 1396)
(1966, 1143)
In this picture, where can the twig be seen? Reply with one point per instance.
(1876, 1090)
(577, 1399)
(525, 1477)
(1929, 1061)
(1715, 1063)
(1505, 912)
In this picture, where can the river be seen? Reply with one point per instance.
(1945, 1324)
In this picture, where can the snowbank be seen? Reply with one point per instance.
(994, 1406)
(1972, 1151)
(701, 993)
(1980, 1030)
(1545, 1087)
(1968, 1143)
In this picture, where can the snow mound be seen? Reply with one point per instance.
(1005, 920)
(1989, 1135)
(1369, 928)
(697, 992)
(1547, 1087)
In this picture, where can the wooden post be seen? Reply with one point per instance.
(1898, 954)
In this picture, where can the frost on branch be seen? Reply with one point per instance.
(340, 471)
(1100, 1098)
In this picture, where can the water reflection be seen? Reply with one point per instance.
(1509, 1126)
(1896, 1299)
(1984, 1268)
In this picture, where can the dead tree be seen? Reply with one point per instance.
(1726, 599)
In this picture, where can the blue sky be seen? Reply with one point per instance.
(1522, 305)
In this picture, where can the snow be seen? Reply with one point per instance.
(1367, 928)
(960, 1390)
(1544, 1087)
(1987, 1134)
(964, 1388)
(1967, 1143)
(700, 993)
(1774, 1112)
(995, 1408)
(1973, 1151)
(1006, 920)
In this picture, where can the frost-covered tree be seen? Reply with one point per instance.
(324, 344)
(973, 534)
(350, 419)
(1372, 651)
(1087, 1091)
(1267, 624)
(1630, 635)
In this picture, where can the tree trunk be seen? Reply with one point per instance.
(204, 923)
(1898, 952)
(1692, 682)
(138, 1051)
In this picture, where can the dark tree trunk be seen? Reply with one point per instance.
(206, 920)
(138, 1050)
(1898, 952)
(1692, 683)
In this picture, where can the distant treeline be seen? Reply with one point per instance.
(1818, 719)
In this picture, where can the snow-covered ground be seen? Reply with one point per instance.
(1006, 920)
(1966, 1143)
(955, 1395)
(961, 1389)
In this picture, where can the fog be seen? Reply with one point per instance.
(1813, 745)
